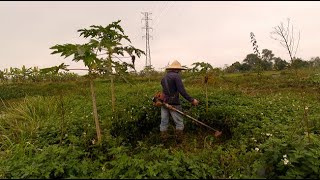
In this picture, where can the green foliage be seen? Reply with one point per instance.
(107, 40)
(26, 75)
(81, 52)
(280, 64)
(267, 131)
(27, 161)
(288, 157)
(202, 67)
(155, 163)
(298, 63)
(23, 121)
(16, 91)
(54, 69)
(135, 122)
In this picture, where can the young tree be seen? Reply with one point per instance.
(254, 44)
(203, 69)
(285, 35)
(258, 63)
(107, 41)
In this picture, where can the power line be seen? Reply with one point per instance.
(164, 9)
(160, 13)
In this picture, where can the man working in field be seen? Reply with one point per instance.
(172, 86)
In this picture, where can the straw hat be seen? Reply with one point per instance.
(175, 65)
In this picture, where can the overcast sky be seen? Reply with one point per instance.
(217, 32)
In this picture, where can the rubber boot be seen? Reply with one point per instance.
(179, 135)
(164, 137)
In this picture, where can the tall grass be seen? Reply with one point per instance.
(21, 121)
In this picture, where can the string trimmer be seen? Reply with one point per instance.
(216, 134)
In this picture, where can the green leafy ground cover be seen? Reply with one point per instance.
(270, 127)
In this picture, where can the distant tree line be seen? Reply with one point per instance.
(34, 74)
(268, 62)
(252, 63)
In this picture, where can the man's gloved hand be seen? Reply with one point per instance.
(195, 102)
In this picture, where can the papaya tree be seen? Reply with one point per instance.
(108, 41)
(98, 54)
(203, 69)
(25, 73)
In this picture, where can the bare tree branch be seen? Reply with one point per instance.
(286, 38)
(297, 45)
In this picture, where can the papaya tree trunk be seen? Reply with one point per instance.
(113, 100)
(95, 112)
(206, 97)
(62, 116)
(307, 123)
(206, 78)
(112, 94)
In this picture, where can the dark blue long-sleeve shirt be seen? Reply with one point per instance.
(176, 87)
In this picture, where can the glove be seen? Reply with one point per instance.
(195, 102)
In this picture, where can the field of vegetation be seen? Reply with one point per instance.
(270, 124)
(57, 124)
